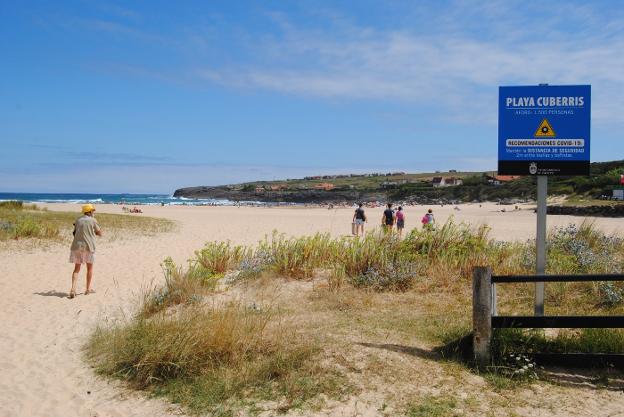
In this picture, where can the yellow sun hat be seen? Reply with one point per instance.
(87, 208)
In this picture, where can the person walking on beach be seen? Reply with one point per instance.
(359, 218)
(388, 218)
(428, 220)
(82, 249)
(400, 221)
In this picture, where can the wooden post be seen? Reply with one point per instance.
(482, 315)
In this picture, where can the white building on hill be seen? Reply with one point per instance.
(446, 182)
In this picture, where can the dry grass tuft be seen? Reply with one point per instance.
(181, 287)
(211, 359)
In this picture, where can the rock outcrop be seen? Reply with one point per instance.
(616, 210)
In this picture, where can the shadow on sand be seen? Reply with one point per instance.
(53, 293)
(599, 379)
(409, 350)
(460, 351)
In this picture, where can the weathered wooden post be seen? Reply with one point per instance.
(482, 315)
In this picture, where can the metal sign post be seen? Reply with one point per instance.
(540, 238)
(540, 242)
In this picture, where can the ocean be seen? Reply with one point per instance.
(129, 199)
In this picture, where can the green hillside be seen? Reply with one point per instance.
(465, 187)
(476, 185)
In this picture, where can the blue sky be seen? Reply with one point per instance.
(150, 96)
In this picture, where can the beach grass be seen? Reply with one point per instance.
(431, 406)
(352, 298)
(28, 221)
(213, 359)
(12, 205)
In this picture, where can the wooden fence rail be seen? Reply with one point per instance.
(485, 317)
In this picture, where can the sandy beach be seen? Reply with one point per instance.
(43, 373)
(247, 225)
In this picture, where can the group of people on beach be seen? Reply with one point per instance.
(131, 210)
(389, 219)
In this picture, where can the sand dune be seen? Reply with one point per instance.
(43, 373)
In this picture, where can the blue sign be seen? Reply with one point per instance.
(544, 130)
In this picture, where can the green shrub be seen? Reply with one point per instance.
(431, 406)
(298, 257)
(510, 341)
(394, 276)
(456, 245)
(218, 257)
(27, 226)
(583, 249)
(181, 287)
(610, 294)
(12, 205)
(376, 251)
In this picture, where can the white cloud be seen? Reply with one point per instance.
(451, 56)
(451, 67)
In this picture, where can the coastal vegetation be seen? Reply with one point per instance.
(299, 321)
(28, 221)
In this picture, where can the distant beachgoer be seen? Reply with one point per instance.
(428, 220)
(359, 217)
(400, 221)
(82, 249)
(388, 218)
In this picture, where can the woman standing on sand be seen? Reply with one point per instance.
(400, 221)
(359, 218)
(83, 247)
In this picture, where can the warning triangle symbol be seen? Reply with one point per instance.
(545, 130)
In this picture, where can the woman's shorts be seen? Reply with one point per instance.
(81, 256)
(359, 221)
(400, 224)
